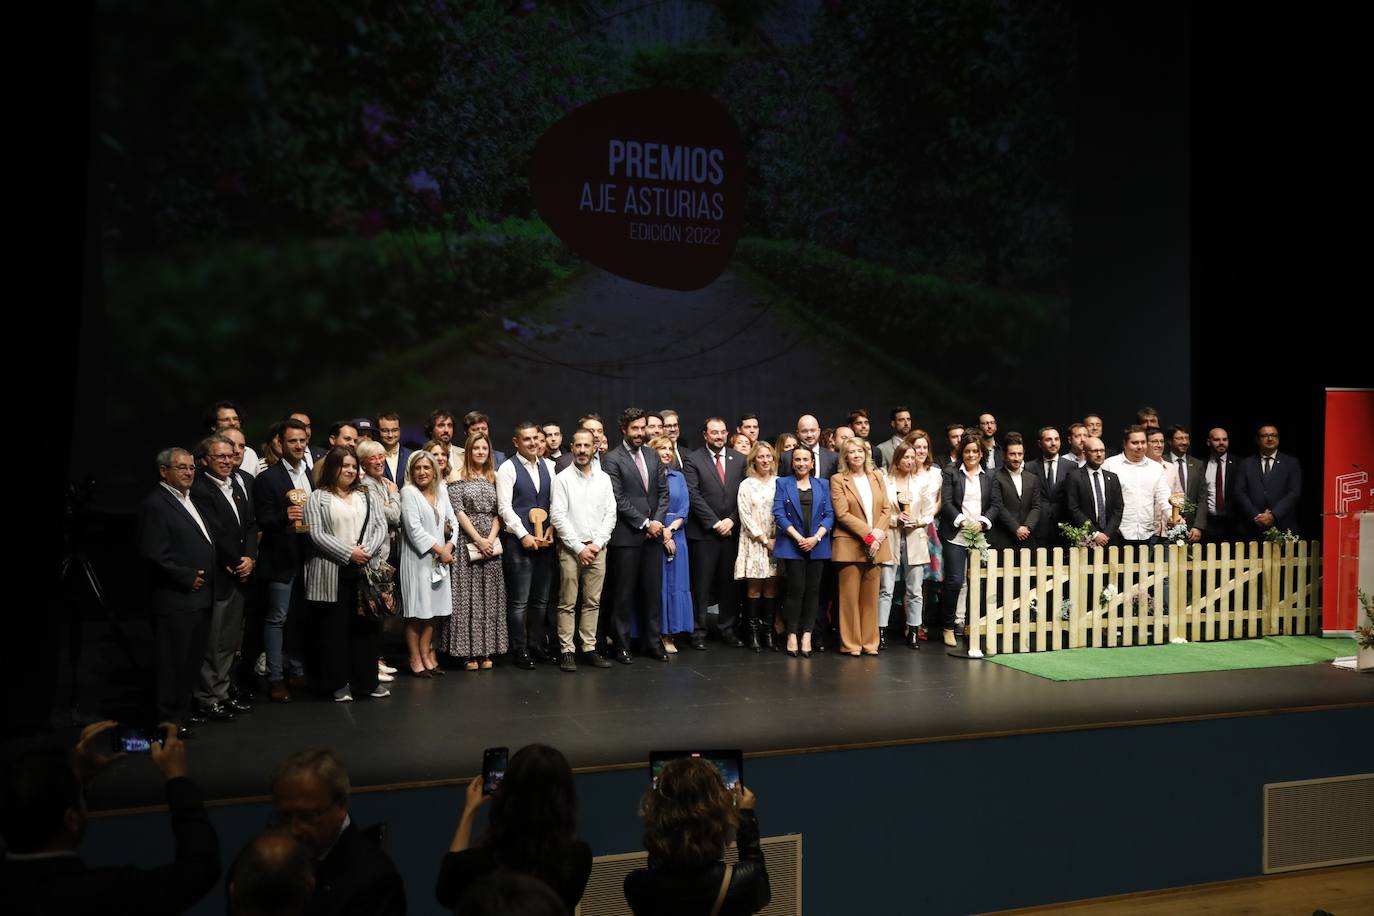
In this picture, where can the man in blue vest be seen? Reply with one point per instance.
(524, 485)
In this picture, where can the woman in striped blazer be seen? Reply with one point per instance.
(347, 524)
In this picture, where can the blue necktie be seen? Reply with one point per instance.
(1101, 501)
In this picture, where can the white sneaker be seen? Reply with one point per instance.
(260, 666)
(346, 698)
(385, 678)
(384, 668)
(381, 693)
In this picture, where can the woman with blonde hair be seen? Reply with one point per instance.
(426, 558)
(914, 505)
(477, 628)
(689, 818)
(754, 561)
(862, 514)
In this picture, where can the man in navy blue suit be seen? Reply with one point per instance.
(389, 434)
(1268, 487)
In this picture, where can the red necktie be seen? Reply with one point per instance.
(1221, 486)
(720, 466)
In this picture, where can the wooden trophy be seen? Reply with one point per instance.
(298, 498)
(537, 518)
(903, 501)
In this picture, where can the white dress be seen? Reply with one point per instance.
(755, 517)
(423, 594)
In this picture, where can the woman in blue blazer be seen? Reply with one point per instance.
(805, 517)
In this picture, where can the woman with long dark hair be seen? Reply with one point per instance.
(689, 818)
(531, 829)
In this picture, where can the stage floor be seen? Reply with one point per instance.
(435, 729)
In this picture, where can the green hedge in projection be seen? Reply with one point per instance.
(942, 317)
(298, 306)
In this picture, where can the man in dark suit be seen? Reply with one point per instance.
(636, 559)
(353, 874)
(672, 428)
(313, 452)
(1094, 496)
(1052, 470)
(827, 461)
(175, 545)
(714, 473)
(227, 511)
(992, 453)
(954, 434)
(1191, 477)
(44, 819)
(389, 434)
(281, 557)
(272, 874)
(1268, 488)
(1220, 468)
(1017, 500)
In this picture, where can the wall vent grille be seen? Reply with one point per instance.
(1318, 822)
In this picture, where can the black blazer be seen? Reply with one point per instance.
(1278, 492)
(567, 874)
(1052, 499)
(281, 551)
(952, 500)
(659, 891)
(1080, 501)
(711, 499)
(1014, 511)
(357, 878)
(1195, 475)
(173, 548)
(633, 503)
(65, 885)
(829, 464)
(235, 536)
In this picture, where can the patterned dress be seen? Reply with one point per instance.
(477, 628)
(755, 517)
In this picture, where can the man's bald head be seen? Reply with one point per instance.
(271, 877)
(808, 430)
(1095, 452)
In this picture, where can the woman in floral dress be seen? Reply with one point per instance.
(754, 562)
(477, 629)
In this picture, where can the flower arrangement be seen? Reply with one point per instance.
(1106, 596)
(1275, 536)
(1078, 536)
(1178, 534)
(1364, 635)
(975, 539)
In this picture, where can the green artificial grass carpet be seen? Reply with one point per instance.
(1185, 658)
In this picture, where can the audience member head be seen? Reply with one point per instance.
(533, 815)
(761, 461)
(343, 433)
(272, 876)
(43, 808)
(689, 815)
(177, 468)
(338, 471)
(221, 414)
(749, 425)
(508, 893)
(310, 791)
(1218, 441)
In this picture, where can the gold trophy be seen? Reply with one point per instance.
(537, 519)
(298, 498)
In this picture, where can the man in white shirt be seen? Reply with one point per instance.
(1144, 490)
(583, 514)
(524, 489)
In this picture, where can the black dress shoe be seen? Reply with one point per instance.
(217, 713)
(657, 651)
(195, 720)
(623, 657)
(698, 643)
(567, 662)
(595, 659)
(238, 704)
(523, 660)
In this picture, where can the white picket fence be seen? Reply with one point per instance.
(1024, 601)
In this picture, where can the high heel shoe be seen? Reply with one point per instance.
(806, 648)
(792, 645)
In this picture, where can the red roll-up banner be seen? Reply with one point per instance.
(1348, 491)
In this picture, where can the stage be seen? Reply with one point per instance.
(432, 731)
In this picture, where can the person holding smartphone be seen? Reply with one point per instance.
(531, 829)
(43, 819)
(689, 818)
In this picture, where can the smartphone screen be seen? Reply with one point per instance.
(493, 768)
(729, 763)
(128, 739)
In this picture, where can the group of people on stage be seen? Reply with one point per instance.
(317, 859)
(797, 544)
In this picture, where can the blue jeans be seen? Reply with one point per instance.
(279, 600)
(912, 578)
(528, 574)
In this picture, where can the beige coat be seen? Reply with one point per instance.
(847, 545)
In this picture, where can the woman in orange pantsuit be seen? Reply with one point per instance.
(859, 544)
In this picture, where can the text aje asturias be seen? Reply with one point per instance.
(632, 159)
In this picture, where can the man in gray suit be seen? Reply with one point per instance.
(1191, 475)
(900, 421)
